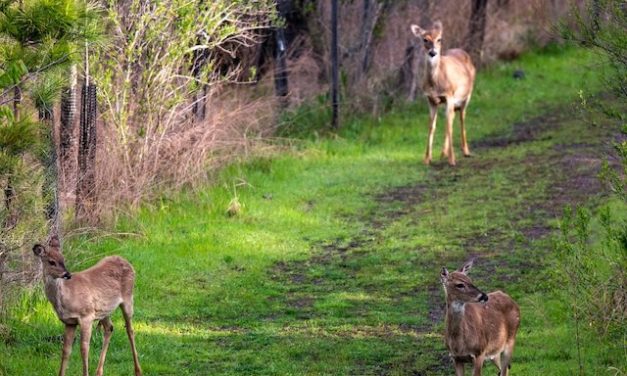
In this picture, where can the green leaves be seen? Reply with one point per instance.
(16, 138)
(12, 72)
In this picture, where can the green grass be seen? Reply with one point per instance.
(332, 265)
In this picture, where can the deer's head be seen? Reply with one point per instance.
(52, 259)
(459, 288)
(431, 39)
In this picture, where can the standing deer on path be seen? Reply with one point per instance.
(447, 79)
(84, 297)
(478, 326)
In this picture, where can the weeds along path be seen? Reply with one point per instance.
(499, 207)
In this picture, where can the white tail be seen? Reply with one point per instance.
(478, 326)
(88, 296)
(448, 79)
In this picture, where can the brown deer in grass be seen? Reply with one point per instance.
(84, 297)
(448, 79)
(478, 326)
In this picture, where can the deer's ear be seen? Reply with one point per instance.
(444, 274)
(54, 242)
(437, 26)
(417, 30)
(39, 250)
(466, 268)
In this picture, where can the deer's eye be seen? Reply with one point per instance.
(425, 40)
(459, 285)
(440, 40)
(52, 263)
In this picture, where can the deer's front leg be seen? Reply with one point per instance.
(433, 116)
(68, 340)
(448, 142)
(459, 367)
(85, 325)
(477, 365)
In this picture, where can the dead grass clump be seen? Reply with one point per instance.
(181, 155)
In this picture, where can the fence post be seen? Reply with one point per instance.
(50, 191)
(335, 95)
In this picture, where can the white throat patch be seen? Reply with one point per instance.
(457, 307)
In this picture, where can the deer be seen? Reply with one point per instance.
(91, 295)
(479, 326)
(448, 79)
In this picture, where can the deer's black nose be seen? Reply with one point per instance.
(67, 275)
(483, 298)
(432, 53)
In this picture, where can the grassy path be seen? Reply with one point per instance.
(332, 265)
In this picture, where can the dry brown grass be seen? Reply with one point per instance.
(182, 155)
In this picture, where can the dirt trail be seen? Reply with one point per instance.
(538, 161)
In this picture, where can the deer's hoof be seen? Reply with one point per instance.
(427, 161)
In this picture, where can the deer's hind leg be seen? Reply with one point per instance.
(127, 312)
(462, 122)
(506, 358)
(107, 329)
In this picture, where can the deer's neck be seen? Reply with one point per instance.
(455, 311)
(54, 288)
(432, 70)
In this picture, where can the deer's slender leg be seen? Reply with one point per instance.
(449, 151)
(507, 359)
(462, 121)
(459, 368)
(127, 312)
(497, 362)
(85, 325)
(477, 364)
(68, 340)
(107, 329)
(433, 116)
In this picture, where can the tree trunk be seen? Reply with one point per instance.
(199, 110)
(86, 182)
(409, 72)
(281, 87)
(596, 16)
(408, 77)
(476, 30)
